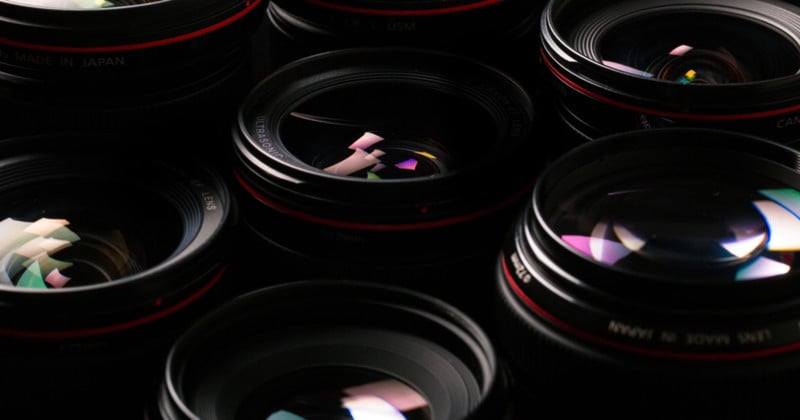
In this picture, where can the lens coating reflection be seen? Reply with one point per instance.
(81, 4)
(387, 131)
(28, 252)
(336, 393)
(64, 236)
(685, 226)
(375, 157)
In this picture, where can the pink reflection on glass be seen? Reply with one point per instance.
(744, 246)
(359, 160)
(408, 164)
(397, 394)
(369, 407)
(56, 279)
(365, 141)
(45, 226)
(680, 50)
(603, 250)
(786, 197)
(626, 69)
(762, 267)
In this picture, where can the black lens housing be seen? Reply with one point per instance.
(401, 20)
(599, 92)
(501, 32)
(257, 341)
(422, 230)
(152, 64)
(682, 336)
(93, 349)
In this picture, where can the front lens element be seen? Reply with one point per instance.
(69, 238)
(387, 130)
(698, 48)
(669, 221)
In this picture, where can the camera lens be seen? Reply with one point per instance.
(396, 164)
(501, 32)
(665, 258)
(334, 350)
(124, 65)
(104, 257)
(625, 65)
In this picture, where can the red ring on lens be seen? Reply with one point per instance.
(250, 6)
(416, 12)
(660, 113)
(107, 329)
(383, 226)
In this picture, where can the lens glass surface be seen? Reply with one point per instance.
(677, 223)
(698, 48)
(335, 393)
(81, 4)
(388, 130)
(79, 235)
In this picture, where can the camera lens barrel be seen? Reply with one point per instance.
(332, 349)
(403, 21)
(503, 33)
(663, 257)
(379, 163)
(623, 65)
(106, 255)
(95, 64)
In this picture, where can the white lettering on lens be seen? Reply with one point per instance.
(401, 26)
(520, 270)
(758, 336)
(263, 139)
(103, 61)
(38, 59)
(208, 199)
(668, 336)
(64, 61)
(788, 122)
(644, 122)
(631, 331)
(708, 340)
